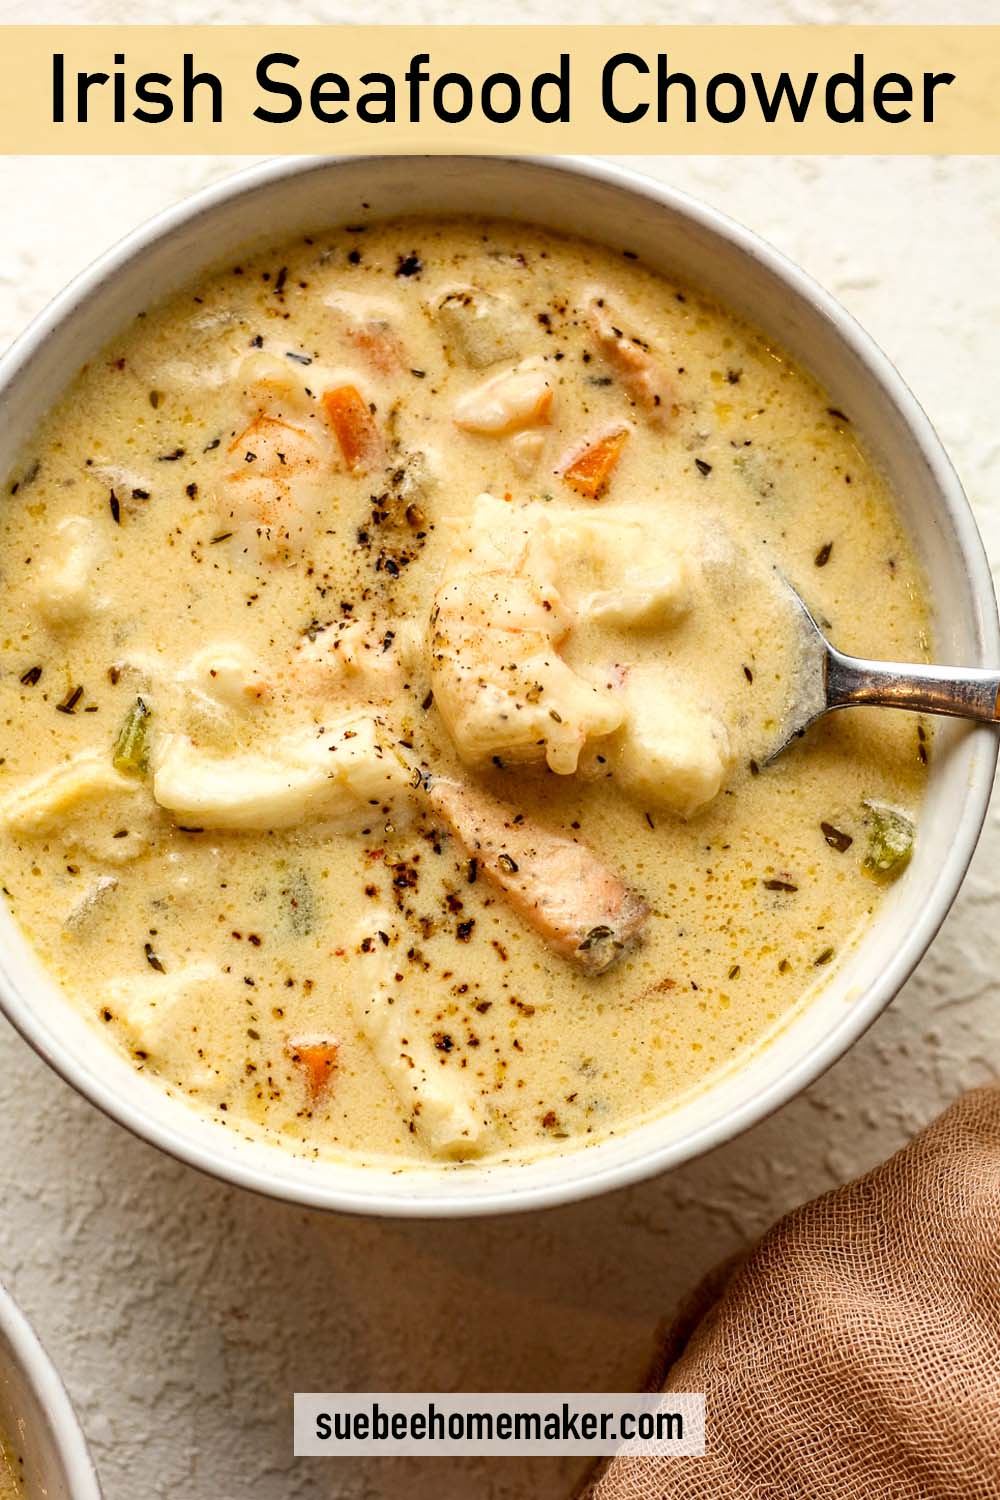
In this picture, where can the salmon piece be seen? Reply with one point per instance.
(579, 906)
(642, 374)
(588, 469)
(354, 426)
(317, 1058)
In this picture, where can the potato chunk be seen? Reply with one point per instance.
(65, 586)
(672, 753)
(481, 327)
(159, 1017)
(622, 567)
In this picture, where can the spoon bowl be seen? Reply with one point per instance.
(828, 679)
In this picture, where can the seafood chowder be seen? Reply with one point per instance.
(395, 631)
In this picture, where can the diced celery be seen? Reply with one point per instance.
(131, 752)
(890, 840)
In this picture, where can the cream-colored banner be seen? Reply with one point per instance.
(262, 90)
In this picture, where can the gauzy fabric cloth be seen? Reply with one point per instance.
(854, 1354)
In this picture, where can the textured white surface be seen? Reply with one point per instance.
(182, 1314)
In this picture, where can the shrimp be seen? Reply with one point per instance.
(274, 473)
(516, 398)
(502, 688)
(643, 376)
(576, 903)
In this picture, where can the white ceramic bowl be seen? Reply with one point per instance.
(36, 1415)
(670, 231)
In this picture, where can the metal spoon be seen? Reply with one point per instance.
(830, 680)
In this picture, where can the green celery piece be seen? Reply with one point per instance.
(131, 752)
(890, 840)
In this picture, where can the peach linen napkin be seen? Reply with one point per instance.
(854, 1354)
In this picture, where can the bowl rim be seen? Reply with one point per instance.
(52, 1400)
(578, 1183)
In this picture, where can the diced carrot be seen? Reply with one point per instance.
(317, 1058)
(354, 426)
(589, 469)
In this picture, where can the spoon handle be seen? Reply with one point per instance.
(961, 692)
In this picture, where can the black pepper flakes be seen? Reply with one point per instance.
(153, 959)
(68, 705)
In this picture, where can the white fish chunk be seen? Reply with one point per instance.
(78, 785)
(345, 772)
(427, 1073)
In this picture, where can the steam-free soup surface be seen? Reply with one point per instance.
(393, 638)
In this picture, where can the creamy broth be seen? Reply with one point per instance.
(488, 520)
(11, 1472)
